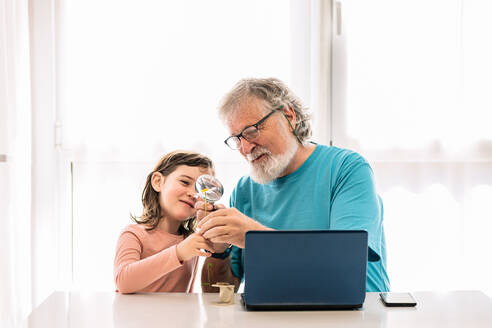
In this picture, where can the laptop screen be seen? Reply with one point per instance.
(322, 267)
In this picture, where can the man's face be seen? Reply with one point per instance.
(272, 150)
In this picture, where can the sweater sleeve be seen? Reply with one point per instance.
(132, 273)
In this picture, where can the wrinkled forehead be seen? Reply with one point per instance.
(247, 112)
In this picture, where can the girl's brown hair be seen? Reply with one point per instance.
(151, 215)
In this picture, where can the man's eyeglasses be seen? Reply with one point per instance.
(249, 133)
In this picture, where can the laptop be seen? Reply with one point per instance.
(305, 270)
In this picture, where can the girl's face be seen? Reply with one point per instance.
(177, 190)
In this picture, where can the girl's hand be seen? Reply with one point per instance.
(192, 246)
(200, 214)
(200, 208)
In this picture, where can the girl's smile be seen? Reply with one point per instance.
(177, 195)
(190, 204)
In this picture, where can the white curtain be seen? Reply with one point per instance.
(412, 82)
(33, 240)
(15, 169)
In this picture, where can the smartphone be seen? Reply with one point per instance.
(398, 299)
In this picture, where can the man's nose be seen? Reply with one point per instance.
(246, 146)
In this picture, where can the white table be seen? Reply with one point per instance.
(75, 309)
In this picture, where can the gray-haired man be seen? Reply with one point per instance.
(293, 183)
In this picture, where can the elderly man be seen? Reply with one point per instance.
(293, 183)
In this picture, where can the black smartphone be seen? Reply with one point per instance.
(398, 299)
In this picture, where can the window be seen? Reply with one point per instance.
(146, 79)
(411, 93)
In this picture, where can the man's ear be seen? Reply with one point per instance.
(290, 114)
(156, 181)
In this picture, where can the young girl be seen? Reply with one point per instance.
(159, 252)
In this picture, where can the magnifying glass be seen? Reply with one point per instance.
(209, 188)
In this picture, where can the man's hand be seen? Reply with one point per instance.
(200, 214)
(227, 225)
(192, 246)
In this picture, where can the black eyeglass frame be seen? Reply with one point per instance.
(256, 125)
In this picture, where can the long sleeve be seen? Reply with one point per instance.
(132, 274)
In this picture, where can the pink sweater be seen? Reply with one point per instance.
(146, 261)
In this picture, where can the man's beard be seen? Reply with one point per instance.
(272, 166)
